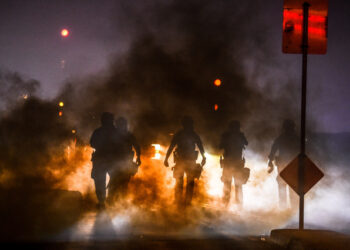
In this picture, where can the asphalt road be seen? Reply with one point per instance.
(154, 243)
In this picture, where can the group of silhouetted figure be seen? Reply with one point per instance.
(114, 155)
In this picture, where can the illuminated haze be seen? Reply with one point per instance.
(152, 63)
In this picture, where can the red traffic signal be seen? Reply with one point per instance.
(293, 26)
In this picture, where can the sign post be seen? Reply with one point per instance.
(303, 113)
(296, 26)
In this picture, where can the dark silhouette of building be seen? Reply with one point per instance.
(185, 157)
(233, 142)
(284, 149)
(103, 140)
(124, 167)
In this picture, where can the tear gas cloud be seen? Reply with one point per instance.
(176, 51)
(14, 88)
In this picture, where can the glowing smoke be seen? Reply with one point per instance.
(176, 51)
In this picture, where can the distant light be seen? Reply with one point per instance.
(64, 33)
(25, 96)
(73, 131)
(157, 149)
(217, 82)
(63, 64)
(61, 104)
(60, 113)
(216, 107)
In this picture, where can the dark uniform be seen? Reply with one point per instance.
(103, 141)
(287, 146)
(124, 167)
(233, 142)
(185, 157)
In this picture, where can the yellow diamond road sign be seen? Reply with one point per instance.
(312, 174)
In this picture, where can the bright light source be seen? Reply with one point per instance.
(73, 131)
(216, 107)
(157, 149)
(217, 82)
(60, 113)
(61, 104)
(64, 33)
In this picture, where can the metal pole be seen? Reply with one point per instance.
(301, 167)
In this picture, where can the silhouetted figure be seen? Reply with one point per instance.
(185, 157)
(103, 141)
(233, 142)
(287, 146)
(124, 167)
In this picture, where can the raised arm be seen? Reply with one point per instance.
(94, 140)
(170, 149)
(201, 149)
(200, 145)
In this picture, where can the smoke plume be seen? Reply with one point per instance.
(176, 51)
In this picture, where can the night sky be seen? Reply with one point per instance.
(153, 62)
(30, 44)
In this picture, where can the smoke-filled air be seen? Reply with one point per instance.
(176, 52)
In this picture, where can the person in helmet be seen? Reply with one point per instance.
(233, 142)
(103, 142)
(284, 149)
(124, 167)
(185, 157)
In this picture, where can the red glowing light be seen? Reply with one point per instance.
(293, 26)
(64, 33)
(216, 107)
(60, 113)
(217, 82)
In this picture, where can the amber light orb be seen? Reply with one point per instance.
(217, 82)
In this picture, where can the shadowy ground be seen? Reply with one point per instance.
(34, 214)
(142, 242)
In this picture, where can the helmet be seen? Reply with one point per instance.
(107, 118)
(288, 125)
(187, 122)
(121, 123)
(234, 125)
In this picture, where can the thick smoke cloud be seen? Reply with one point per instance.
(14, 87)
(176, 50)
(34, 166)
(30, 136)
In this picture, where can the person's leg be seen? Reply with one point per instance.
(227, 191)
(238, 194)
(189, 190)
(282, 193)
(119, 179)
(227, 180)
(123, 185)
(179, 177)
(112, 186)
(179, 189)
(100, 187)
(118, 186)
(294, 199)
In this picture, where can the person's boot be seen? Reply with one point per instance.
(101, 205)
